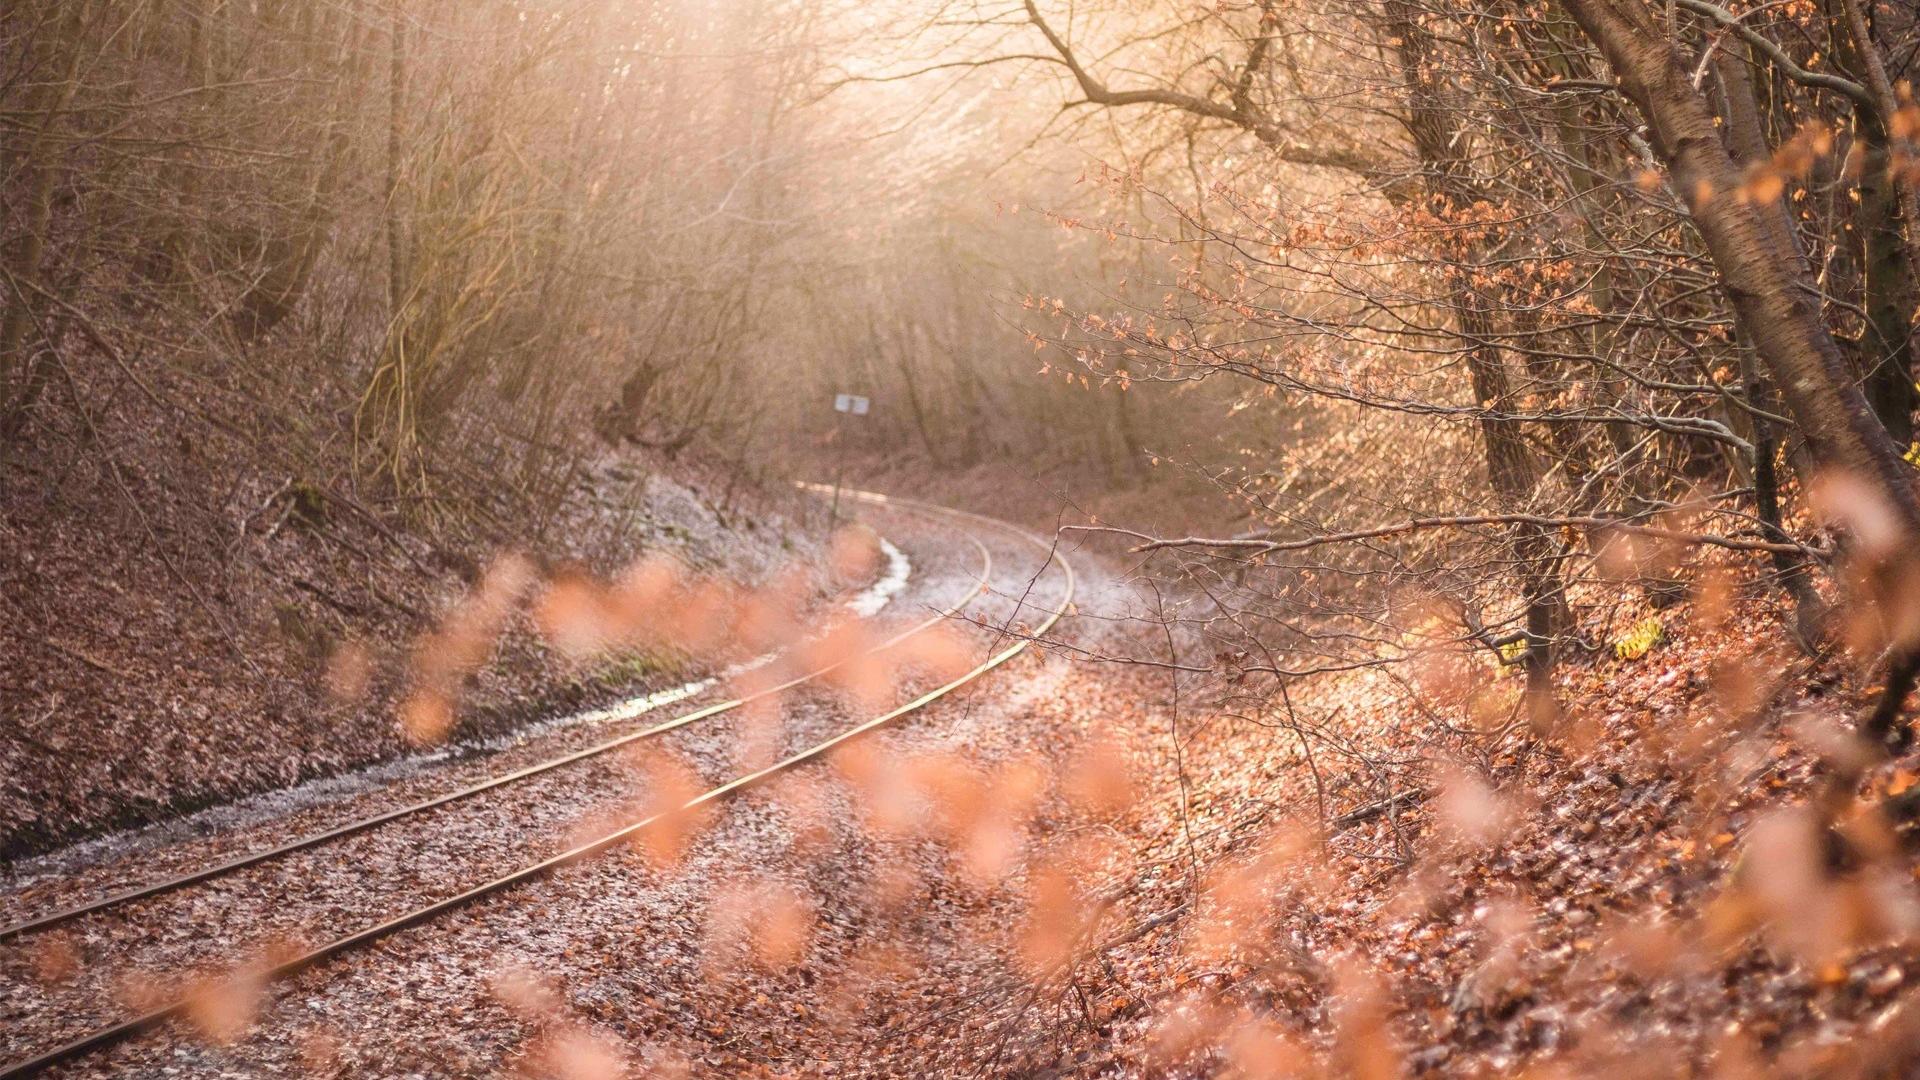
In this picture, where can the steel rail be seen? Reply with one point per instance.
(195, 877)
(138, 1024)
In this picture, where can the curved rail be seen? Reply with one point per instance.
(194, 877)
(135, 1025)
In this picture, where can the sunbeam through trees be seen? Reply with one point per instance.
(1040, 538)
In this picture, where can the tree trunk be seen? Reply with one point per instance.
(1886, 270)
(1761, 270)
(915, 406)
(1887, 288)
(20, 345)
(1512, 472)
(1791, 570)
(396, 106)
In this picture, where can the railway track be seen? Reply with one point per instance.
(152, 1018)
(166, 885)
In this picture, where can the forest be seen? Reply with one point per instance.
(1033, 538)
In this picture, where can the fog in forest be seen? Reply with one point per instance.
(585, 538)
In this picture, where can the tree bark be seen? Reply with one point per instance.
(1886, 257)
(396, 106)
(20, 350)
(1760, 268)
(1511, 470)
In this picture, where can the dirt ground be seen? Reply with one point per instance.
(1072, 870)
(149, 668)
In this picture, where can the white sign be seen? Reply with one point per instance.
(850, 403)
